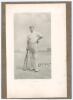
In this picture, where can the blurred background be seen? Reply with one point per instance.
(42, 24)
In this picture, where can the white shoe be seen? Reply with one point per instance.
(36, 70)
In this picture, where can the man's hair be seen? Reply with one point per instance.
(31, 26)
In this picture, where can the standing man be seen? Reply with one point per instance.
(30, 62)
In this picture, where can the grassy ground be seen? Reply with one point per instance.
(44, 69)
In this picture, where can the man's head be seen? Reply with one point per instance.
(31, 28)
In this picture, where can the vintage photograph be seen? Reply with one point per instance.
(32, 45)
(36, 50)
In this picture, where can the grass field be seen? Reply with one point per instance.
(44, 59)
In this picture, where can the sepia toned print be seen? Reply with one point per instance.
(36, 50)
(32, 45)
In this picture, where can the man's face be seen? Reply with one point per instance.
(31, 29)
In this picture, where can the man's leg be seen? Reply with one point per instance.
(36, 62)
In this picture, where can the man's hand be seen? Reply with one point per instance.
(40, 37)
(37, 41)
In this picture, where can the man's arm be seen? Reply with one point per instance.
(39, 38)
